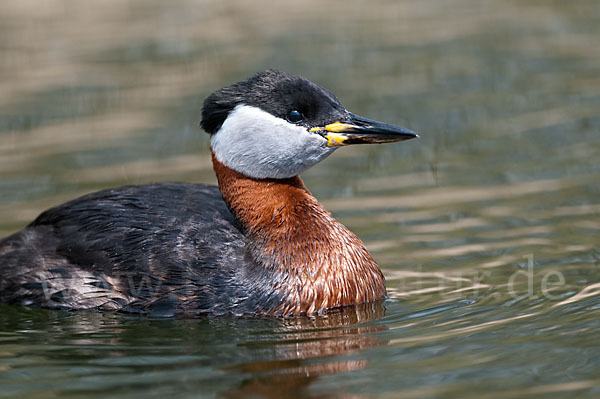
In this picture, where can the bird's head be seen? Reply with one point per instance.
(276, 125)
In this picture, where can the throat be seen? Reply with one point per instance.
(306, 259)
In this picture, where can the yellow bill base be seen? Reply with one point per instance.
(334, 139)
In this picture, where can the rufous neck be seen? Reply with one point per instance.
(315, 260)
(258, 203)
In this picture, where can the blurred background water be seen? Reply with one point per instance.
(486, 228)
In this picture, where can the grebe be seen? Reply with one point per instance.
(259, 244)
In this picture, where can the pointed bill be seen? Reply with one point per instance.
(358, 130)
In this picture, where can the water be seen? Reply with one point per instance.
(486, 228)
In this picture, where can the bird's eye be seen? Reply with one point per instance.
(294, 116)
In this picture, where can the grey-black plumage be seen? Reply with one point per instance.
(152, 240)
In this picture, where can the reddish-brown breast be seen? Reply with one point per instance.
(323, 263)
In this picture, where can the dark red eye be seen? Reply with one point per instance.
(294, 116)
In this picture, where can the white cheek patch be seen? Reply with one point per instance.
(260, 145)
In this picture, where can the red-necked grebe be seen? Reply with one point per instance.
(259, 244)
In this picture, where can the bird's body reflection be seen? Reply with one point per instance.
(235, 357)
(306, 349)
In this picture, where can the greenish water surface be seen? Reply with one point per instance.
(487, 227)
